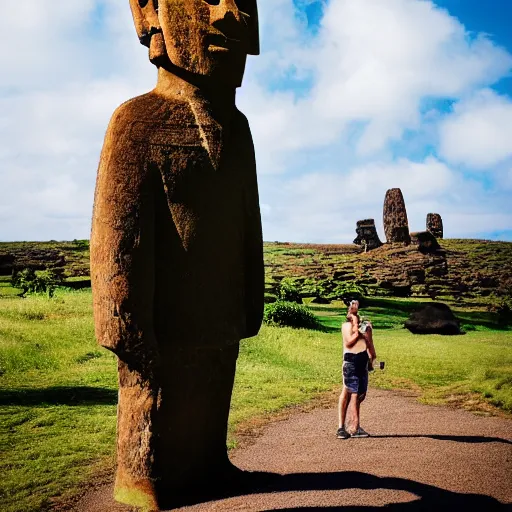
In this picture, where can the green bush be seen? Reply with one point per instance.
(502, 305)
(81, 245)
(270, 298)
(37, 281)
(348, 291)
(288, 291)
(290, 314)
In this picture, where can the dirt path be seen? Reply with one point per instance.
(418, 458)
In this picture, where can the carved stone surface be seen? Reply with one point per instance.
(176, 249)
(367, 235)
(425, 241)
(435, 224)
(396, 225)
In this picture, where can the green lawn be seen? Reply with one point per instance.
(58, 388)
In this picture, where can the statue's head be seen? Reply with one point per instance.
(210, 38)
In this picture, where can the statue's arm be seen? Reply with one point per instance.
(253, 236)
(122, 248)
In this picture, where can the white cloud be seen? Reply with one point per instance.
(374, 62)
(325, 112)
(478, 133)
(326, 205)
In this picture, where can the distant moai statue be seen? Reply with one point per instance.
(396, 225)
(367, 235)
(435, 224)
(176, 249)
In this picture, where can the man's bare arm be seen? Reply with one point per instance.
(369, 344)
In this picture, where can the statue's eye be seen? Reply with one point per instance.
(246, 6)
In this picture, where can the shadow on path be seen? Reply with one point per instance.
(59, 395)
(457, 439)
(428, 497)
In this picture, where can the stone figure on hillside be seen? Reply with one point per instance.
(396, 225)
(435, 224)
(425, 241)
(176, 248)
(367, 235)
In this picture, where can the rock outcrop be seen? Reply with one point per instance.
(396, 225)
(435, 225)
(435, 318)
(367, 235)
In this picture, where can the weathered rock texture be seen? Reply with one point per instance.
(35, 259)
(396, 225)
(436, 318)
(435, 224)
(176, 249)
(367, 235)
(425, 241)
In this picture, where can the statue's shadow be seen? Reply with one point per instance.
(428, 497)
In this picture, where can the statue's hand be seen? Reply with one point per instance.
(141, 354)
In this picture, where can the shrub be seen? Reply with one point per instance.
(81, 245)
(502, 306)
(347, 292)
(290, 314)
(42, 281)
(270, 298)
(288, 291)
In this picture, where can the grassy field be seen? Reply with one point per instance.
(58, 388)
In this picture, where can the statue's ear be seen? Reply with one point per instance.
(145, 16)
(254, 37)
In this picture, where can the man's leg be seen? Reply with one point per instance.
(360, 399)
(342, 407)
(352, 413)
(363, 386)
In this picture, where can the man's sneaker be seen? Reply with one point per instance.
(360, 433)
(342, 433)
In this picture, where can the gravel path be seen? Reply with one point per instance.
(418, 458)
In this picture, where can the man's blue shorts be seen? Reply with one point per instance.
(355, 372)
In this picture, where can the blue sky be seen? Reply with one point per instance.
(348, 98)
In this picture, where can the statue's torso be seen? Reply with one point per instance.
(200, 190)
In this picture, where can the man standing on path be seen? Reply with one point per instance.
(358, 351)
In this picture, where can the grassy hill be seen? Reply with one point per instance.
(463, 270)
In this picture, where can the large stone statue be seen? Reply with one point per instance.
(367, 235)
(435, 224)
(176, 248)
(396, 225)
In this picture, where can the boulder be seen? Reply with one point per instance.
(396, 225)
(6, 264)
(435, 318)
(367, 234)
(435, 225)
(425, 241)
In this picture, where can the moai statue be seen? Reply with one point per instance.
(367, 235)
(176, 248)
(396, 225)
(435, 224)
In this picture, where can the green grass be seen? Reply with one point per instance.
(58, 389)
